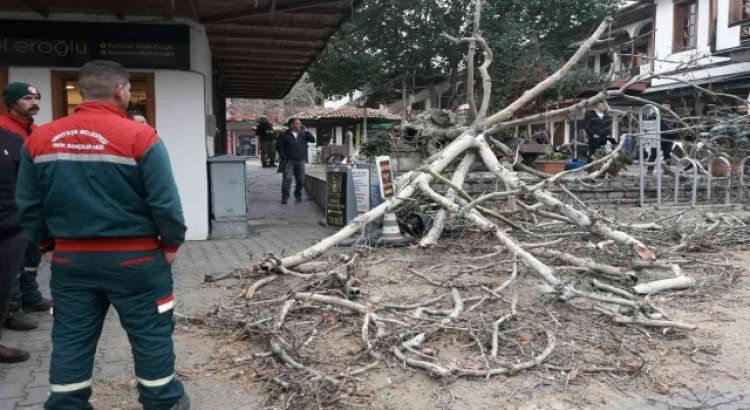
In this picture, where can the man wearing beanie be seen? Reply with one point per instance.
(22, 101)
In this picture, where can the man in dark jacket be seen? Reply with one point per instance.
(97, 189)
(264, 132)
(13, 241)
(22, 100)
(598, 125)
(292, 148)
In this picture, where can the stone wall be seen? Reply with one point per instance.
(315, 186)
(623, 189)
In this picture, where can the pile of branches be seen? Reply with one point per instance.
(477, 312)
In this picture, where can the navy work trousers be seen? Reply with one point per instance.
(139, 286)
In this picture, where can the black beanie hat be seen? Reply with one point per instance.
(14, 91)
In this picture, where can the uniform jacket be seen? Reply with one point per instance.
(265, 132)
(17, 125)
(291, 148)
(13, 131)
(97, 181)
(10, 156)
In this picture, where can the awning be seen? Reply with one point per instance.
(260, 48)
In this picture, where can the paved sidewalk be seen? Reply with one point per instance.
(282, 229)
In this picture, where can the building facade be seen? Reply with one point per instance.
(170, 68)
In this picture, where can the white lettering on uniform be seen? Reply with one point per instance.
(88, 133)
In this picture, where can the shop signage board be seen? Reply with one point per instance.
(387, 189)
(341, 205)
(73, 44)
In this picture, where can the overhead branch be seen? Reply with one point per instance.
(538, 89)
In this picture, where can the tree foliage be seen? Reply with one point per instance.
(391, 39)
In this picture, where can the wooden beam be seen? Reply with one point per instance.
(256, 87)
(263, 79)
(261, 51)
(39, 6)
(256, 11)
(261, 59)
(239, 48)
(194, 11)
(286, 20)
(257, 81)
(251, 42)
(268, 33)
(253, 70)
(264, 76)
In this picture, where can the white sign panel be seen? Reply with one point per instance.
(361, 179)
(650, 126)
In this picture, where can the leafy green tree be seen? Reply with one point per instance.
(388, 40)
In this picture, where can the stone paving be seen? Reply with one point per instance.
(282, 229)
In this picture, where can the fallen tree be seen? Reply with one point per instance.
(516, 215)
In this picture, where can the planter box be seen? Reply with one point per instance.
(719, 169)
(550, 166)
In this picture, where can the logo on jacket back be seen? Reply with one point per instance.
(99, 146)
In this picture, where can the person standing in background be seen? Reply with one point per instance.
(13, 240)
(292, 148)
(598, 126)
(264, 132)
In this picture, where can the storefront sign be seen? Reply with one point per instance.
(336, 203)
(745, 33)
(73, 44)
(361, 179)
(386, 178)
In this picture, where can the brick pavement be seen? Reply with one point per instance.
(282, 229)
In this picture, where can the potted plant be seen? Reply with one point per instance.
(622, 160)
(728, 140)
(552, 162)
(734, 153)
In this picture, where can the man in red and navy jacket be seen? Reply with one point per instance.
(22, 101)
(96, 190)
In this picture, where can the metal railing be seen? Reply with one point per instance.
(693, 166)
